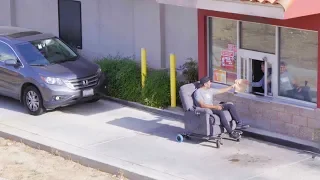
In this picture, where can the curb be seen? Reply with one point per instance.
(255, 133)
(87, 162)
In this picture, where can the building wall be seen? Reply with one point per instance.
(116, 27)
(181, 33)
(41, 15)
(107, 28)
(289, 120)
(5, 9)
(296, 121)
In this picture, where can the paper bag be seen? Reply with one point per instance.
(241, 85)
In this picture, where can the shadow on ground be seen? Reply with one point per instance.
(11, 105)
(157, 127)
(89, 109)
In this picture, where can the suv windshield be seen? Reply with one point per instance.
(45, 52)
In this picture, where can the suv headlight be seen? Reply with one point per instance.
(99, 71)
(52, 80)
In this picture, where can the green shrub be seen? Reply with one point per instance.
(156, 92)
(123, 77)
(190, 70)
(124, 82)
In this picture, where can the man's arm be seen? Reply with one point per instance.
(223, 90)
(259, 83)
(203, 105)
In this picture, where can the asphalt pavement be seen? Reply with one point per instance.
(113, 138)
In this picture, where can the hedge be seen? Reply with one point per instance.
(124, 82)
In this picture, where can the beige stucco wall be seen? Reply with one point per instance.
(116, 27)
(41, 15)
(181, 30)
(5, 13)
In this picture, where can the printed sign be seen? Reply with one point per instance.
(227, 59)
(219, 76)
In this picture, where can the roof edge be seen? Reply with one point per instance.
(299, 8)
(237, 7)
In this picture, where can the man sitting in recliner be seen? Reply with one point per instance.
(204, 97)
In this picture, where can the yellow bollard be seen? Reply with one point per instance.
(173, 79)
(143, 66)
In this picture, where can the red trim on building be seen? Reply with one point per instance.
(202, 44)
(318, 87)
(307, 22)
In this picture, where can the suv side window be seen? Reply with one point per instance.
(6, 52)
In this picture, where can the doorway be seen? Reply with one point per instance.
(257, 75)
(70, 25)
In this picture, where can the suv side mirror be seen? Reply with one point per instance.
(11, 62)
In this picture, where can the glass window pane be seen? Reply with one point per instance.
(6, 52)
(258, 37)
(224, 49)
(299, 62)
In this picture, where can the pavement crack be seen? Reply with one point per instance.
(105, 141)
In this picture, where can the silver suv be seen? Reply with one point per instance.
(44, 73)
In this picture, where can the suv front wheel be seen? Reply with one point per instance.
(32, 100)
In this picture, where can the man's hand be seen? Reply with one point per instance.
(239, 81)
(215, 107)
(218, 107)
(299, 88)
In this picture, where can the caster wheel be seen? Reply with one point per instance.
(218, 144)
(238, 140)
(179, 138)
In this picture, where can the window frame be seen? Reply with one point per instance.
(209, 46)
(240, 30)
(273, 99)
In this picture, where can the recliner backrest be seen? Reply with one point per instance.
(186, 95)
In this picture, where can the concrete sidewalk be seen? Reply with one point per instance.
(112, 137)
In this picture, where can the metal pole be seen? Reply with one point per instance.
(173, 80)
(143, 66)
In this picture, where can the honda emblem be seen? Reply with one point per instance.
(85, 82)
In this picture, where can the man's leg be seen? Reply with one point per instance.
(306, 94)
(225, 123)
(234, 114)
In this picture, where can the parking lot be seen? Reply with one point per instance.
(144, 143)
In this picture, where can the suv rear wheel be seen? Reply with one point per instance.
(32, 100)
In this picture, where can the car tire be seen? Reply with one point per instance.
(32, 101)
(96, 99)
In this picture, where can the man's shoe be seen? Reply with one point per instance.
(235, 135)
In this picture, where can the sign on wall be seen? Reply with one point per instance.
(219, 76)
(228, 57)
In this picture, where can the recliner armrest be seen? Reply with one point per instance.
(200, 110)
